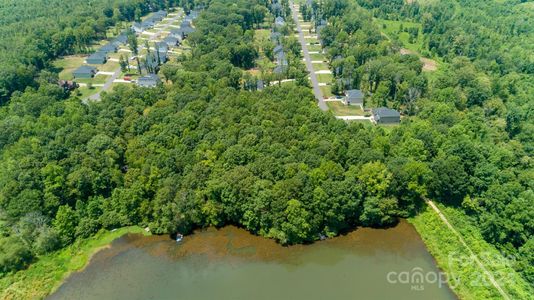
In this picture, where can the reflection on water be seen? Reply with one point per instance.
(230, 263)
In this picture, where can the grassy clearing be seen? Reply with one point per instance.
(68, 64)
(84, 92)
(340, 109)
(109, 66)
(467, 280)
(392, 30)
(44, 276)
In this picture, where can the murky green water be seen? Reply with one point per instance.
(232, 264)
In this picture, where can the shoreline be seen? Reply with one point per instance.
(453, 258)
(46, 275)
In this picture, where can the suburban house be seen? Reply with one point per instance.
(107, 48)
(279, 22)
(97, 58)
(161, 13)
(154, 59)
(319, 26)
(161, 47)
(186, 30)
(185, 23)
(280, 69)
(278, 49)
(84, 72)
(157, 16)
(384, 115)
(281, 63)
(171, 41)
(177, 33)
(276, 8)
(149, 80)
(140, 27)
(353, 97)
(281, 59)
(275, 37)
(120, 39)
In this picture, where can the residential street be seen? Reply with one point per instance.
(107, 85)
(313, 78)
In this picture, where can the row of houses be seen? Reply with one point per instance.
(159, 56)
(152, 60)
(278, 51)
(149, 22)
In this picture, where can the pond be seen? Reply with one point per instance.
(230, 263)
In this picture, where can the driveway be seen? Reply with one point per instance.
(313, 78)
(107, 85)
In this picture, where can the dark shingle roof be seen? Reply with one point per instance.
(85, 69)
(354, 94)
(149, 80)
(386, 112)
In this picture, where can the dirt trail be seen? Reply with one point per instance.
(473, 255)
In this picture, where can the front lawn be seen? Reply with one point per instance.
(340, 109)
(324, 78)
(68, 64)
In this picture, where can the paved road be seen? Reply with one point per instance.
(107, 85)
(117, 72)
(316, 90)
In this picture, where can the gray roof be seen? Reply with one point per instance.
(171, 40)
(385, 112)
(280, 69)
(149, 80)
(121, 39)
(354, 94)
(160, 45)
(185, 23)
(276, 35)
(97, 56)
(85, 70)
(108, 48)
(187, 29)
(152, 58)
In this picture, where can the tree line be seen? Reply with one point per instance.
(206, 151)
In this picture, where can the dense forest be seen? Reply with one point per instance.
(488, 47)
(206, 151)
